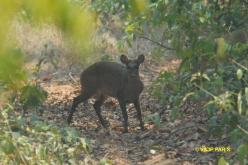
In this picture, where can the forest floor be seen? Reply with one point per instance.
(173, 142)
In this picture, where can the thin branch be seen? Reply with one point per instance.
(237, 63)
(242, 129)
(72, 77)
(155, 42)
(204, 90)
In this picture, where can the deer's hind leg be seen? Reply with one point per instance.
(97, 106)
(76, 101)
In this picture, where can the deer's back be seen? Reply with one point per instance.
(106, 78)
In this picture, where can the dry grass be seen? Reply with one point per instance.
(63, 57)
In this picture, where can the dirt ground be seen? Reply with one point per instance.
(170, 143)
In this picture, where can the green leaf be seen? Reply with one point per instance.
(154, 118)
(12, 74)
(195, 76)
(41, 126)
(235, 135)
(138, 7)
(187, 96)
(202, 19)
(239, 74)
(7, 147)
(242, 152)
(70, 135)
(85, 144)
(246, 94)
(42, 151)
(105, 162)
(222, 161)
(198, 76)
(239, 102)
(224, 101)
(32, 96)
(20, 122)
(221, 49)
(205, 76)
(130, 28)
(71, 151)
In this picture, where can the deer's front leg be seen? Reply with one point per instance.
(124, 114)
(137, 107)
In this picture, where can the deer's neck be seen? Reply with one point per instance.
(133, 78)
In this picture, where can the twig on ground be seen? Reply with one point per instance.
(179, 129)
(72, 77)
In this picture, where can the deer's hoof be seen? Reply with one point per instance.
(125, 130)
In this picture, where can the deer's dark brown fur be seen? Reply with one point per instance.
(104, 79)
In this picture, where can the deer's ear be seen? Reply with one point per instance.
(124, 59)
(141, 58)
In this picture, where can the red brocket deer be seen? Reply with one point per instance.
(104, 79)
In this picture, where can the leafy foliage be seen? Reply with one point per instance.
(154, 118)
(222, 161)
(12, 75)
(105, 162)
(32, 96)
(39, 142)
(69, 18)
(210, 38)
